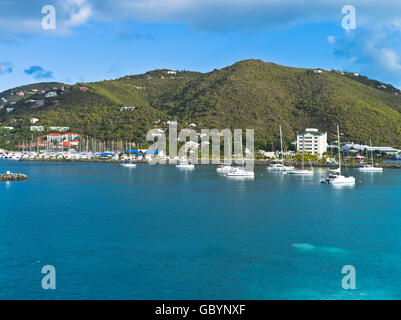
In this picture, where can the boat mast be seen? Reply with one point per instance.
(371, 152)
(303, 150)
(339, 150)
(281, 143)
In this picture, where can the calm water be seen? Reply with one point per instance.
(159, 233)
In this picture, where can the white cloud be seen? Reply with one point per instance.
(79, 12)
(390, 59)
(5, 67)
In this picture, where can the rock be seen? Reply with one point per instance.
(8, 176)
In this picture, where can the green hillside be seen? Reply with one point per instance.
(249, 94)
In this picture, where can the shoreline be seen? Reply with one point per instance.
(257, 163)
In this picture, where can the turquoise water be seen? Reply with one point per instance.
(155, 232)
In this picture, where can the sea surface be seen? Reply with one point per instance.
(155, 232)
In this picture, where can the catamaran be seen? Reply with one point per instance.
(370, 167)
(279, 165)
(335, 176)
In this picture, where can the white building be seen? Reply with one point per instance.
(312, 141)
(51, 94)
(60, 129)
(37, 128)
(122, 109)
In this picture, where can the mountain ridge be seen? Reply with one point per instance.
(248, 94)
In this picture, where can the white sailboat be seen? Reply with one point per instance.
(279, 166)
(335, 176)
(223, 169)
(302, 171)
(128, 164)
(184, 164)
(370, 167)
(239, 171)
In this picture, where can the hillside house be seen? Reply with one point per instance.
(59, 129)
(37, 128)
(51, 94)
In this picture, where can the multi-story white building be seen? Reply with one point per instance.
(312, 141)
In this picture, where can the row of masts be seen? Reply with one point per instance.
(84, 145)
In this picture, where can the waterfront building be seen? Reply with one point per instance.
(55, 137)
(69, 137)
(312, 141)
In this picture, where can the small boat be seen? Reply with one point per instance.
(223, 169)
(184, 164)
(279, 165)
(128, 164)
(302, 172)
(239, 172)
(370, 167)
(335, 176)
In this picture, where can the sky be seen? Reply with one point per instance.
(93, 40)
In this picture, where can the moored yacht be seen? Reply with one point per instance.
(239, 172)
(279, 165)
(184, 164)
(370, 167)
(128, 164)
(335, 176)
(223, 169)
(302, 171)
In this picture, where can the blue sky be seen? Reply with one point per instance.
(96, 40)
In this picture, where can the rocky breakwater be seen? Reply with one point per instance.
(8, 176)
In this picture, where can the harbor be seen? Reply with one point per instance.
(98, 221)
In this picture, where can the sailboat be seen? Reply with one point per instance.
(335, 176)
(185, 164)
(239, 171)
(279, 166)
(302, 171)
(128, 164)
(370, 167)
